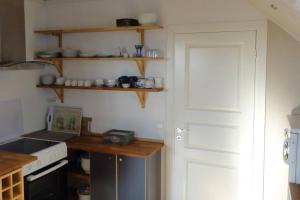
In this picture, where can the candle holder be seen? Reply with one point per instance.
(139, 48)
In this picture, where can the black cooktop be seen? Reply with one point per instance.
(50, 135)
(26, 145)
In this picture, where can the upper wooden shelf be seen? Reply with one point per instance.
(100, 58)
(99, 29)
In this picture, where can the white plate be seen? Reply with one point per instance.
(86, 55)
(46, 56)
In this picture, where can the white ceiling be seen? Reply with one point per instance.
(282, 12)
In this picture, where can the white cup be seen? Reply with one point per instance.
(110, 83)
(158, 82)
(74, 83)
(60, 81)
(99, 82)
(80, 83)
(87, 83)
(68, 83)
(149, 83)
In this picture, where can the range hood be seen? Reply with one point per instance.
(12, 37)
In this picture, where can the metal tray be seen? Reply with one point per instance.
(118, 136)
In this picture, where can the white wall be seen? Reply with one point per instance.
(110, 109)
(122, 110)
(283, 95)
(203, 11)
(21, 84)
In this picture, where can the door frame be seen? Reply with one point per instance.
(260, 96)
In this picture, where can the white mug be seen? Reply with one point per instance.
(99, 82)
(149, 83)
(87, 83)
(158, 82)
(74, 83)
(68, 83)
(80, 83)
(60, 81)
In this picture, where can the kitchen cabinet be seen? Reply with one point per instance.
(103, 176)
(118, 177)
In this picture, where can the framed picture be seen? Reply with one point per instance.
(64, 119)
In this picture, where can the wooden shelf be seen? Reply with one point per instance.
(80, 175)
(141, 92)
(100, 58)
(98, 29)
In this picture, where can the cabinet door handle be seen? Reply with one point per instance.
(121, 159)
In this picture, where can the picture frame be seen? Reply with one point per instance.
(64, 119)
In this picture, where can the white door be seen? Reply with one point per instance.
(214, 87)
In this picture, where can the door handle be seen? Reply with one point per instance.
(286, 151)
(48, 171)
(180, 134)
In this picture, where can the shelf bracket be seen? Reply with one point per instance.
(59, 66)
(142, 98)
(60, 94)
(142, 32)
(141, 67)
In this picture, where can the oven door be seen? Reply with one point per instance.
(49, 183)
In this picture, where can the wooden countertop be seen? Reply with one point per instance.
(137, 148)
(13, 161)
(295, 191)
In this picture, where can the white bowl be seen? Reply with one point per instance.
(47, 79)
(86, 54)
(84, 197)
(110, 83)
(85, 165)
(69, 53)
(84, 194)
(147, 18)
(125, 85)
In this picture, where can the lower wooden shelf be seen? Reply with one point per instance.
(77, 179)
(141, 92)
(80, 175)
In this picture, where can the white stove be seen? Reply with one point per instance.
(47, 152)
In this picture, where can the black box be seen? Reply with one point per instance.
(118, 136)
